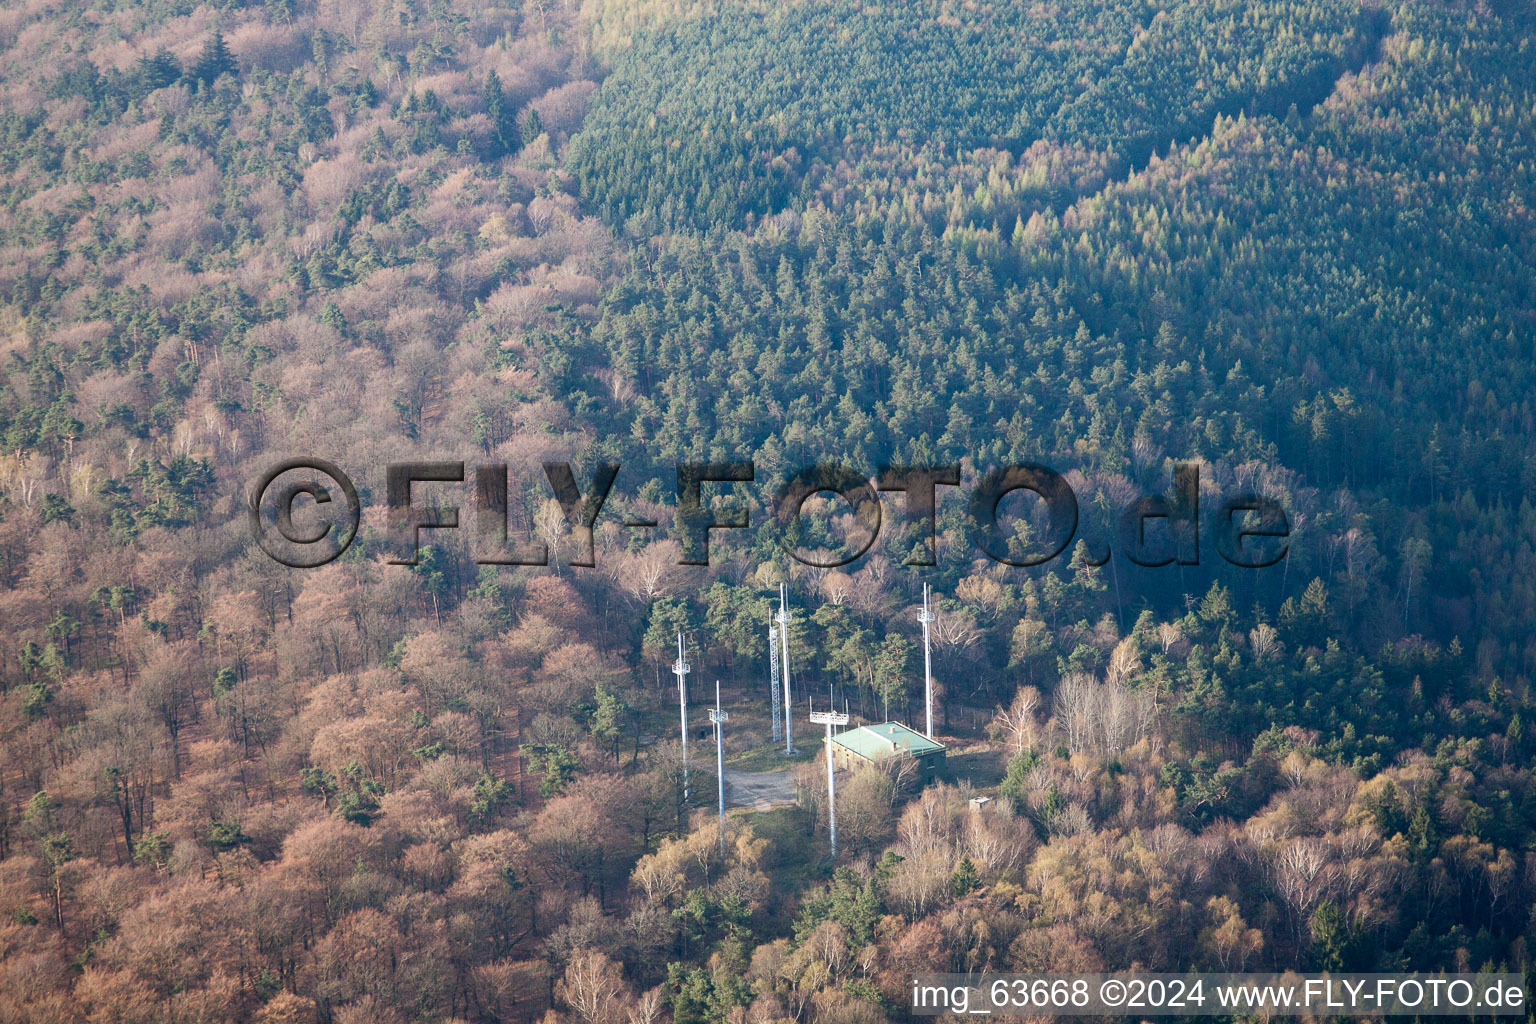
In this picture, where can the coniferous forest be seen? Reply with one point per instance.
(1289, 243)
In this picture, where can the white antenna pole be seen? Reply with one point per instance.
(925, 617)
(681, 669)
(789, 732)
(718, 716)
(831, 718)
(773, 681)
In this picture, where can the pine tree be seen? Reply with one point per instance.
(965, 879)
(319, 49)
(215, 60)
(1421, 836)
(532, 127)
(1330, 937)
(507, 139)
(607, 719)
(158, 71)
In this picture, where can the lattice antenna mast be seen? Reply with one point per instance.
(783, 617)
(681, 668)
(829, 718)
(719, 716)
(773, 681)
(926, 617)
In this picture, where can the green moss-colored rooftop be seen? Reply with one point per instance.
(877, 742)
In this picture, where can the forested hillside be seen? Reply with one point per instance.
(1291, 242)
(733, 115)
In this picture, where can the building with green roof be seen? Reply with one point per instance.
(878, 744)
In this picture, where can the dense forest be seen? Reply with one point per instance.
(1289, 242)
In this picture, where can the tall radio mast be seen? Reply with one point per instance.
(783, 617)
(718, 716)
(681, 668)
(773, 680)
(830, 718)
(926, 617)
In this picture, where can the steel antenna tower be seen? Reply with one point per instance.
(719, 716)
(829, 718)
(681, 668)
(783, 617)
(925, 617)
(773, 680)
